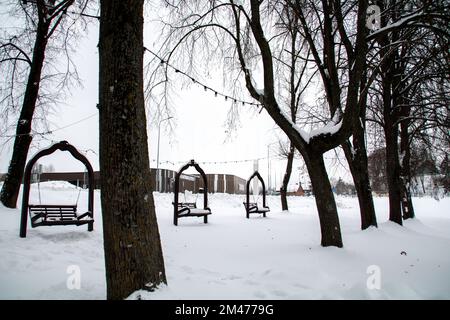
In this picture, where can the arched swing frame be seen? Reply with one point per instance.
(253, 207)
(63, 146)
(187, 211)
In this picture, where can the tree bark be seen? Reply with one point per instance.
(133, 254)
(405, 168)
(286, 178)
(390, 80)
(22, 141)
(356, 156)
(326, 205)
(393, 171)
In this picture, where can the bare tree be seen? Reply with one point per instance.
(294, 80)
(246, 29)
(330, 36)
(47, 29)
(414, 49)
(133, 254)
(294, 39)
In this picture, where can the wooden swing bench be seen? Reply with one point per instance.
(252, 207)
(56, 214)
(189, 209)
(52, 215)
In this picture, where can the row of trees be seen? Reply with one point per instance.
(382, 71)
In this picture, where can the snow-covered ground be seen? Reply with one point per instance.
(231, 257)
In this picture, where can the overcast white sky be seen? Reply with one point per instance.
(199, 123)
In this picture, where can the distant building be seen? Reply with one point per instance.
(217, 183)
(162, 180)
(225, 183)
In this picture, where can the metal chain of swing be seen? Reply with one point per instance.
(38, 176)
(253, 194)
(83, 187)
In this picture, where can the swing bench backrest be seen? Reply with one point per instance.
(191, 205)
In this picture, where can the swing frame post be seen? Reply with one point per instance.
(63, 146)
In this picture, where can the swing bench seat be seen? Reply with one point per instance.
(53, 215)
(189, 209)
(252, 207)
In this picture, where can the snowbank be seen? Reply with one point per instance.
(231, 257)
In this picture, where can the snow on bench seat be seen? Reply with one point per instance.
(200, 211)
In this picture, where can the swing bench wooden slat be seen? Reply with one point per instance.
(190, 205)
(189, 209)
(50, 215)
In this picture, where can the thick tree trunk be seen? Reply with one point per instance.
(286, 178)
(391, 78)
(133, 254)
(358, 164)
(391, 133)
(326, 205)
(22, 141)
(393, 174)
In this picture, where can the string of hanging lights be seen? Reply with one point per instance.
(206, 87)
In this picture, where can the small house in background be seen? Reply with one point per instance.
(299, 192)
(302, 187)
